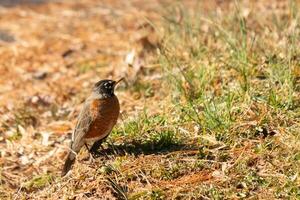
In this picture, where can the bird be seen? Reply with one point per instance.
(97, 117)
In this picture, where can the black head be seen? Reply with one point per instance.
(106, 87)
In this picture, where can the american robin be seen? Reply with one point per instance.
(98, 116)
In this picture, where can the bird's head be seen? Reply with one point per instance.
(106, 87)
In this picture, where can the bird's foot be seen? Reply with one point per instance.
(92, 159)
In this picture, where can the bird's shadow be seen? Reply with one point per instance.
(142, 148)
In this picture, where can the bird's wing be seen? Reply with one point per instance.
(84, 122)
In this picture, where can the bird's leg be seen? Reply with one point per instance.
(91, 157)
(94, 149)
(87, 147)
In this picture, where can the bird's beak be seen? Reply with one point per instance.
(117, 82)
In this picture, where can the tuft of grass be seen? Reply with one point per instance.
(155, 194)
(38, 182)
(15, 136)
(120, 191)
(148, 134)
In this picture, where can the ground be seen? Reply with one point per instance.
(209, 109)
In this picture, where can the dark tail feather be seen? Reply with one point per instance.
(68, 164)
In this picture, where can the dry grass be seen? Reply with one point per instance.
(210, 107)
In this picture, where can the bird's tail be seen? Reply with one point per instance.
(68, 163)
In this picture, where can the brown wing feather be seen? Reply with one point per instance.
(83, 125)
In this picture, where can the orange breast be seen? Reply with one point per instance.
(105, 114)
